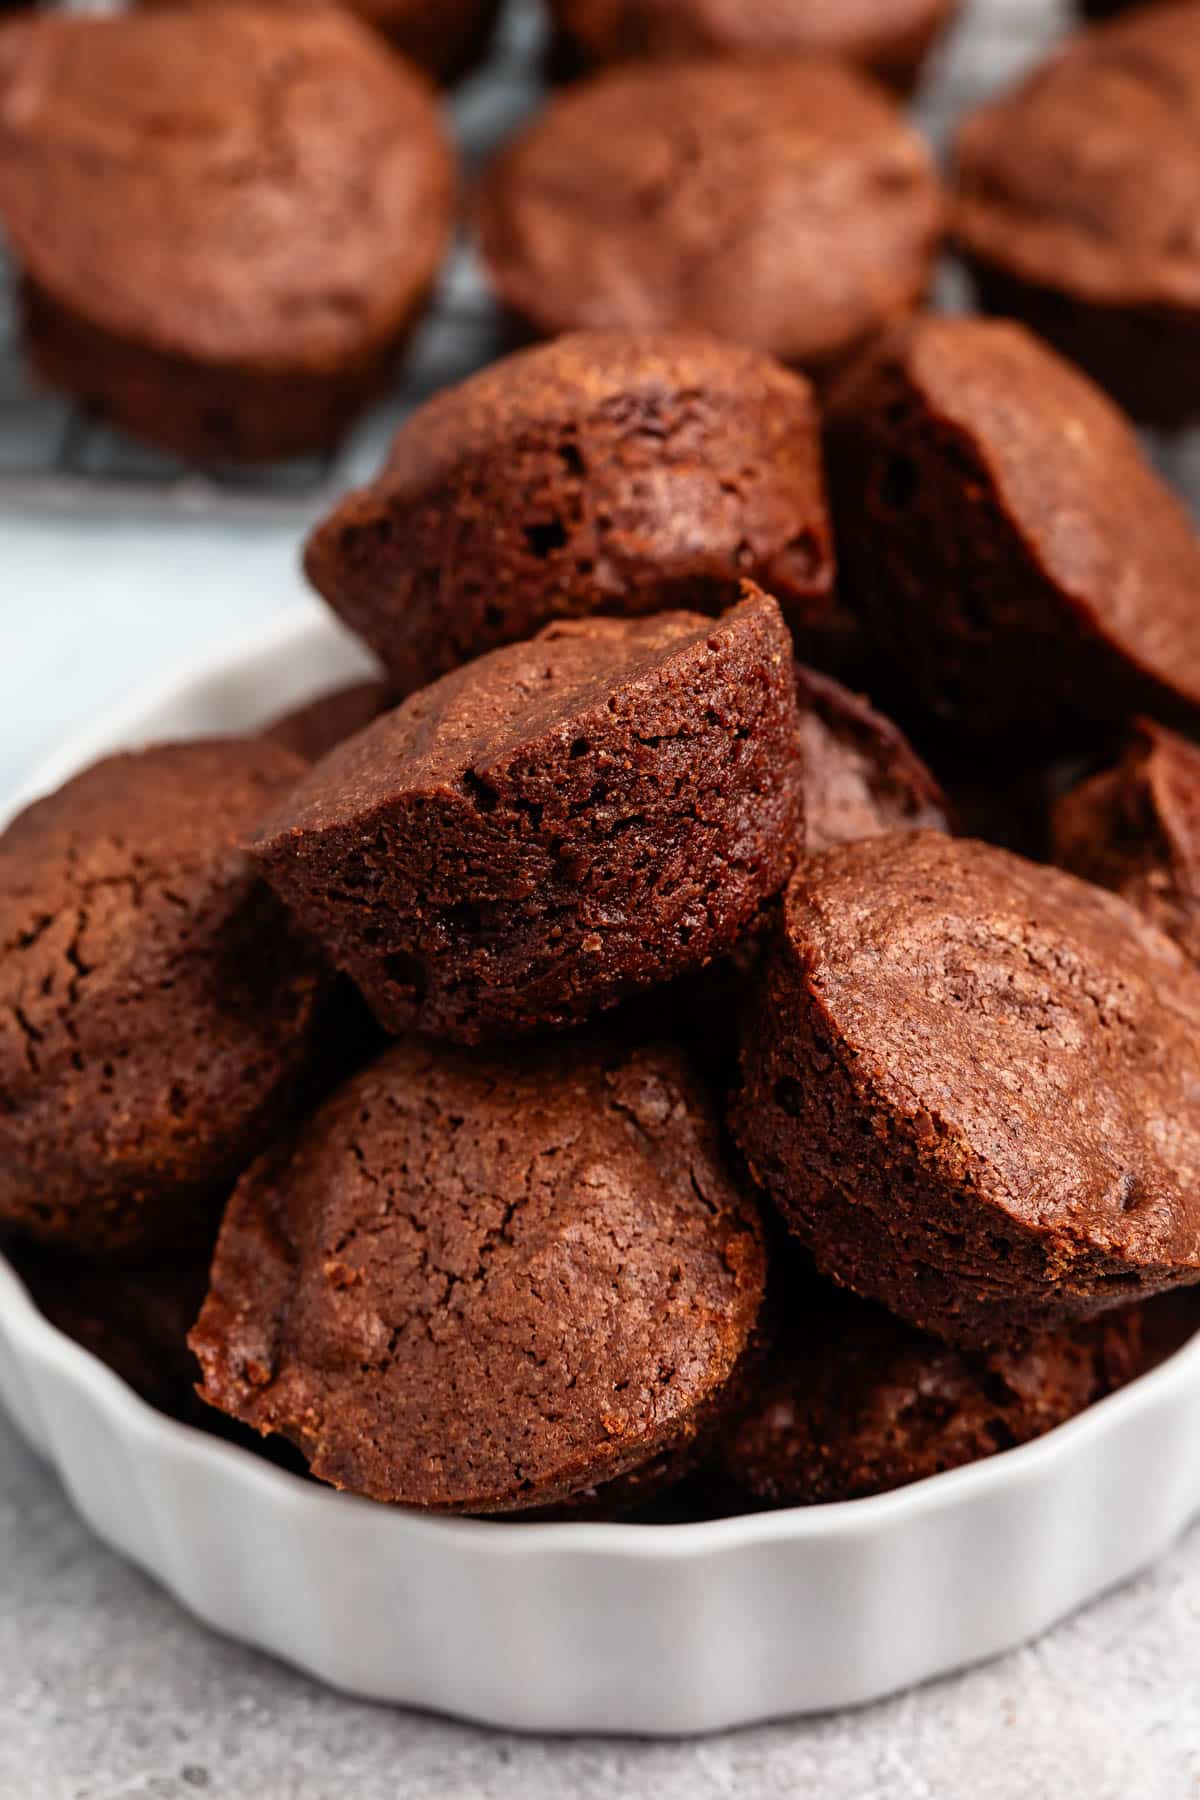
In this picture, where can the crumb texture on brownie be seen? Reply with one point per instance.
(555, 825)
(1006, 539)
(485, 1285)
(155, 1012)
(781, 202)
(607, 472)
(969, 1085)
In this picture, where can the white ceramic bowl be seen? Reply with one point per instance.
(587, 1627)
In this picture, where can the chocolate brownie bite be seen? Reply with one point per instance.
(969, 1085)
(1017, 558)
(318, 726)
(862, 777)
(553, 826)
(1135, 829)
(853, 1402)
(890, 39)
(608, 472)
(228, 217)
(784, 203)
(1077, 197)
(156, 1013)
(489, 1284)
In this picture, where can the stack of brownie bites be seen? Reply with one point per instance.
(604, 1066)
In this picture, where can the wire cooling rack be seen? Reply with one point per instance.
(53, 456)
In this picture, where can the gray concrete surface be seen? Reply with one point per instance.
(108, 1691)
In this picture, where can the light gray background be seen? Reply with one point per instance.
(107, 1691)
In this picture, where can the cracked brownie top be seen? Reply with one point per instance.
(487, 1284)
(154, 1009)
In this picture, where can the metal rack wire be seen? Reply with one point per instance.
(52, 456)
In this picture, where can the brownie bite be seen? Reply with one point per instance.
(318, 726)
(888, 38)
(861, 775)
(228, 217)
(489, 1284)
(156, 1013)
(609, 472)
(555, 825)
(969, 1085)
(1135, 828)
(853, 1402)
(1018, 560)
(782, 202)
(1077, 201)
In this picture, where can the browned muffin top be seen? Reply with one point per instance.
(1071, 479)
(947, 963)
(234, 182)
(1087, 172)
(487, 1284)
(606, 472)
(782, 203)
(1006, 534)
(970, 1084)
